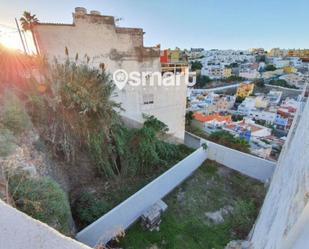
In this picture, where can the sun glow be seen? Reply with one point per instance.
(11, 39)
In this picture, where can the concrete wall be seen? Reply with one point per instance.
(283, 222)
(118, 48)
(131, 209)
(19, 231)
(244, 163)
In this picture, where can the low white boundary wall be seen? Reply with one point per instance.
(123, 215)
(244, 163)
(127, 212)
(18, 230)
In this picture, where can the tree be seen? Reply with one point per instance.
(239, 99)
(227, 139)
(259, 82)
(28, 21)
(75, 113)
(270, 67)
(237, 117)
(196, 65)
(234, 78)
(202, 81)
(282, 83)
(260, 58)
(189, 118)
(43, 199)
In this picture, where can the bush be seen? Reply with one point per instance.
(196, 65)
(88, 208)
(74, 108)
(244, 215)
(233, 78)
(7, 142)
(237, 117)
(13, 115)
(282, 83)
(227, 139)
(42, 199)
(270, 67)
(202, 81)
(259, 82)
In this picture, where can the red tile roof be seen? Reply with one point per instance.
(206, 118)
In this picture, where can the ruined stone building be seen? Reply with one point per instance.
(97, 37)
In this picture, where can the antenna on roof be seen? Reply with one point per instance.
(118, 20)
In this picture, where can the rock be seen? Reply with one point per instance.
(30, 169)
(227, 210)
(215, 217)
(239, 244)
(153, 247)
(180, 197)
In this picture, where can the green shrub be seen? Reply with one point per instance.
(88, 208)
(244, 215)
(76, 104)
(282, 83)
(42, 199)
(13, 115)
(210, 167)
(227, 139)
(7, 142)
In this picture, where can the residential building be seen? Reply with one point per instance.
(260, 148)
(286, 113)
(258, 51)
(277, 52)
(281, 122)
(225, 103)
(301, 53)
(246, 106)
(267, 116)
(96, 37)
(272, 74)
(248, 73)
(280, 63)
(227, 72)
(261, 101)
(244, 90)
(274, 97)
(295, 62)
(216, 72)
(289, 69)
(294, 79)
(247, 126)
(210, 123)
(195, 53)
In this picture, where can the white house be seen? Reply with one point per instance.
(280, 63)
(248, 73)
(247, 105)
(267, 116)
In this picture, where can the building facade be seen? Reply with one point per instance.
(96, 37)
(244, 90)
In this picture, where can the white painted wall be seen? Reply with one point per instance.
(19, 231)
(131, 209)
(255, 167)
(284, 207)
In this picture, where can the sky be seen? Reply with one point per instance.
(221, 24)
